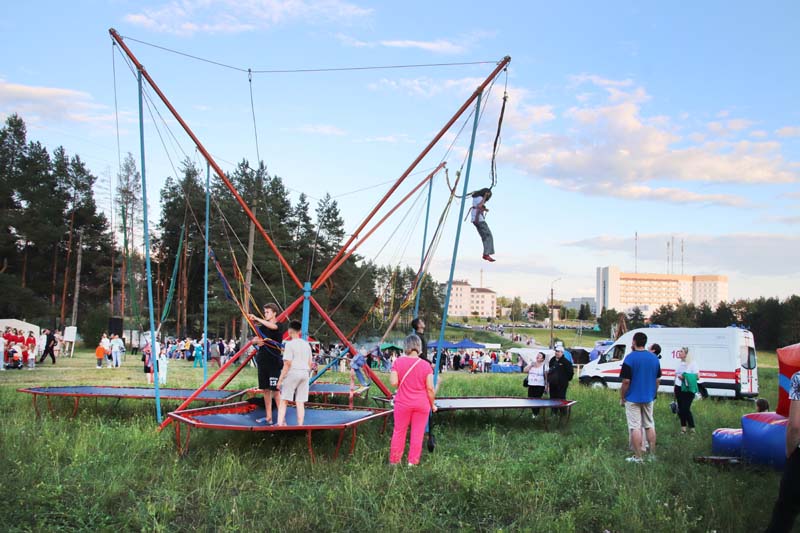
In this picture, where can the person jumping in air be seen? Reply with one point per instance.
(479, 199)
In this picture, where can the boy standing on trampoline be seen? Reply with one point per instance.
(268, 357)
(293, 381)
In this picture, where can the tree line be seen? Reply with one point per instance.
(50, 218)
(773, 322)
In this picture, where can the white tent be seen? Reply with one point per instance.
(19, 325)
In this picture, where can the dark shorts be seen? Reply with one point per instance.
(269, 370)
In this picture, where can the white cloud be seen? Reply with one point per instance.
(322, 129)
(182, 17)
(439, 46)
(389, 139)
(753, 254)
(38, 104)
(614, 149)
(788, 131)
(759, 134)
(428, 87)
(581, 79)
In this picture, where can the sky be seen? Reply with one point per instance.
(658, 119)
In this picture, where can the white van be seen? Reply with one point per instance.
(726, 358)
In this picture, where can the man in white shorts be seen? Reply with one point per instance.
(293, 381)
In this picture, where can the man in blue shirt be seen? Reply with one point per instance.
(640, 375)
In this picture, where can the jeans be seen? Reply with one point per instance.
(361, 378)
(486, 237)
(116, 358)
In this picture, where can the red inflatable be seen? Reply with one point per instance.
(788, 364)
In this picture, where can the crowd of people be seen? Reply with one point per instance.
(21, 350)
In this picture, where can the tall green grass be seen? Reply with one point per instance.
(108, 469)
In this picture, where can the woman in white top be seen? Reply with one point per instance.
(685, 388)
(537, 380)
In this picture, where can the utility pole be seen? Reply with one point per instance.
(248, 277)
(77, 280)
(551, 311)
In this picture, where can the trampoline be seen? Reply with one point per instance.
(502, 402)
(330, 390)
(136, 393)
(244, 416)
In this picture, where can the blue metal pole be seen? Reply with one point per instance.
(306, 308)
(458, 235)
(205, 276)
(422, 256)
(153, 350)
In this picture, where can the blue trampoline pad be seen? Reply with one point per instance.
(315, 418)
(133, 392)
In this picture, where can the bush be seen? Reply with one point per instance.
(91, 328)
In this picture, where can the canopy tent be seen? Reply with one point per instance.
(468, 344)
(391, 346)
(445, 345)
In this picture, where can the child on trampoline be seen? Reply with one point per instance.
(293, 381)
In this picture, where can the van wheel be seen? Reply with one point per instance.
(598, 383)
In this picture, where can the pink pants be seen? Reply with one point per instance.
(417, 417)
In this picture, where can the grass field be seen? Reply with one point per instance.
(109, 470)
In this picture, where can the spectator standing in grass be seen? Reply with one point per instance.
(537, 380)
(640, 375)
(787, 506)
(356, 364)
(413, 401)
(117, 347)
(686, 376)
(293, 381)
(559, 375)
(418, 325)
(49, 345)
(100, 353)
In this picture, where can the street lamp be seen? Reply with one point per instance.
(551, 311)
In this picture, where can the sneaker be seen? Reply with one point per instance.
(533, 417)
(411, 464)
(634, 459)
(489, 258)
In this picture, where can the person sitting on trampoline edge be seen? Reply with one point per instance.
(479, 199)
(293, 381)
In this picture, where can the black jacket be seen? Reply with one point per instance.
(561, 371)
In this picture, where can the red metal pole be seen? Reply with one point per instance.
(118, 38)
(349, 345)
(332, 268)
(205, 385)
(500, 66)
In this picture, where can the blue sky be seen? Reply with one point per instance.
(666, 119)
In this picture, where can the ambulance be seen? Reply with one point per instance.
(726, 358)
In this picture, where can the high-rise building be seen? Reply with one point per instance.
(471, 301)
(625, 290)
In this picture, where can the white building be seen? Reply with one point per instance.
(472, 301)
(576, 303)
(625, 290)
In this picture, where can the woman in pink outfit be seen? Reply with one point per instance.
(413, 400)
